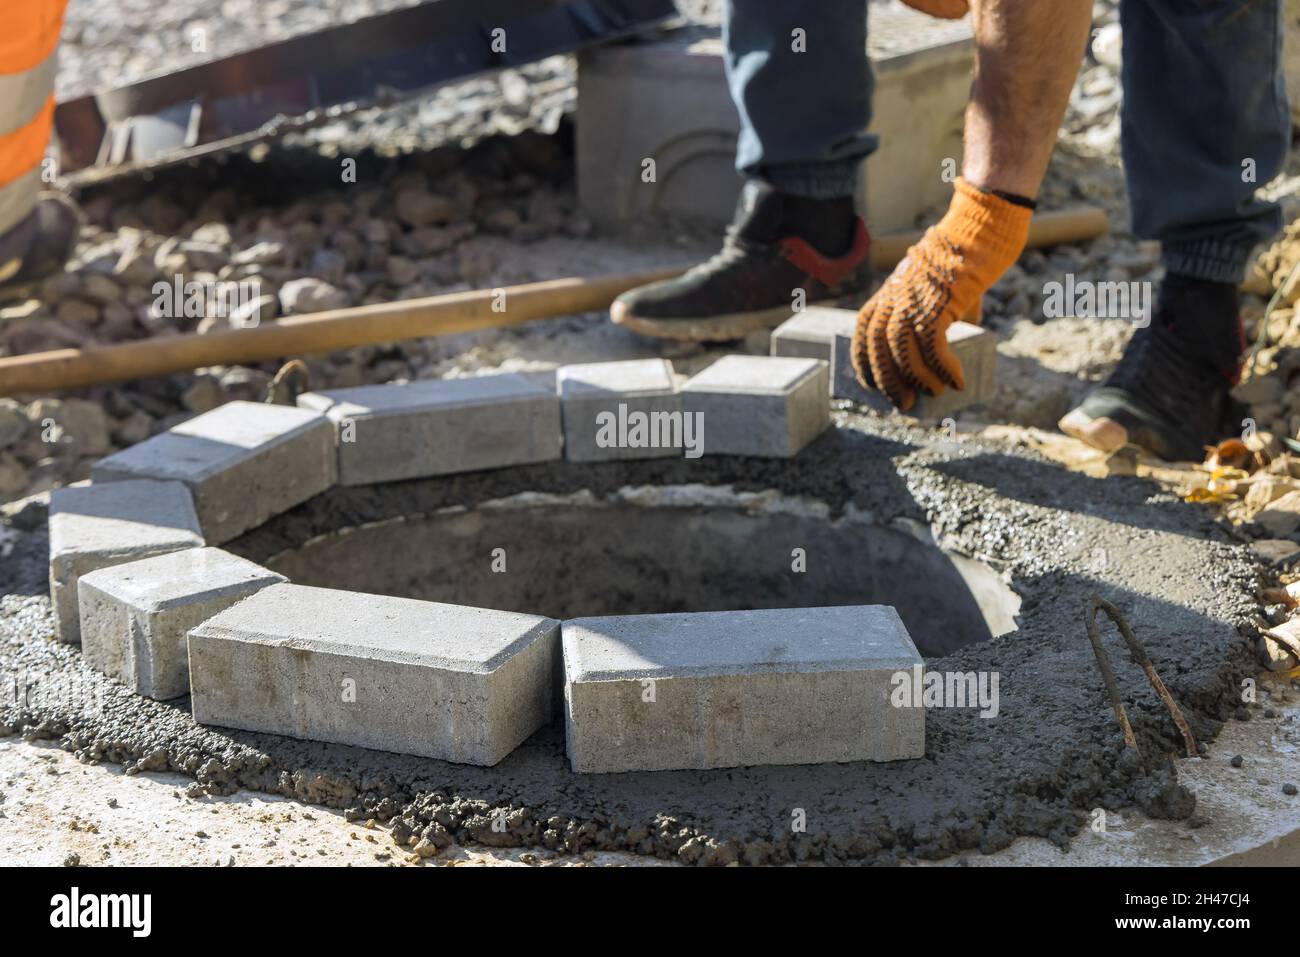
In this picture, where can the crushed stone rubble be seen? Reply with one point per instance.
(462, 189)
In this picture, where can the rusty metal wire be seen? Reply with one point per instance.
(290, 382)
(1144, 661)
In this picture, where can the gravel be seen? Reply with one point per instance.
(119, 42)
(470, 187)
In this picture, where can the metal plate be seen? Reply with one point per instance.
(267, 91)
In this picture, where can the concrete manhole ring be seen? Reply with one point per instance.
(1027, 531)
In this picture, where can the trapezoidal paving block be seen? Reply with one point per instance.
(134, 617)
(975, 348)
(734, 688)
(630, 409)
(439, 426)
(244, 462)
(393, 674)
(824, 332)
(810, 334)
(759, 405)
(105, 524)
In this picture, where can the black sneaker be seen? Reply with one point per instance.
(778, 244)
(1169, 393)
(39, 245)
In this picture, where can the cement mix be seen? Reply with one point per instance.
(1050, 756)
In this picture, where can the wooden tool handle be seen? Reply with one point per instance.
(337, 329)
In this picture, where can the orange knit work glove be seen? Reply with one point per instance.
(943, 9)
(900, 344)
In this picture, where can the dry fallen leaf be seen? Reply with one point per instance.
(1287, 634)
(1222, 486)
(1203, 495)
(1231, 453)
(1225, 478)
(1275, 656)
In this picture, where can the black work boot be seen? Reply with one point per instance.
(1169, 393)
(39, 245)
(777, 245)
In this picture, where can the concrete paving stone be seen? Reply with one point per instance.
(244, 462)
(810, 333)
(822, 332)
(759, 405)
(736, 688)
(813, 332)
(439, 426)
(977, 350)
(621, 410)
(101, 525)
(394, 674)
(134, 617)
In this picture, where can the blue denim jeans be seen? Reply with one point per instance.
(803, 113)
(1205, 118)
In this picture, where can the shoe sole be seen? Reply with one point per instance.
(711, 329)
(1106, 435)
(1102, 433)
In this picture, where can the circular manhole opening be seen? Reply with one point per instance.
(578, 556)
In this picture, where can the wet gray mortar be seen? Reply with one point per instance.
(1051, 756)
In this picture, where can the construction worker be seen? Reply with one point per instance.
(1204, 96)
(37, 230)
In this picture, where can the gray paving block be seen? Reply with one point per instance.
(439, 426)
(759, 405)
(134, 617)
(814, 332)
(621, 410)
(977, 348)
(735, 688)
(100, 525)
(810, 333)
(244, 462)
(823, 332)
(393, 674)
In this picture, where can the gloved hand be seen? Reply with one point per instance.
(900, 344)
(943, 9)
